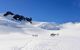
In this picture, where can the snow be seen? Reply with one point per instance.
(47, 25)
(16, 35)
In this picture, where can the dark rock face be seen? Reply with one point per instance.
(29, 19)
(18, 17)
(8, 13)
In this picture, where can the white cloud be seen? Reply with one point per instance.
(70, 29)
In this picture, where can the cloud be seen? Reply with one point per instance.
(70, 29)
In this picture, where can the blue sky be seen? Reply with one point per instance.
(59, 11)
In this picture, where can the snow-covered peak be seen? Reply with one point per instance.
(43, 25)
(10, 25)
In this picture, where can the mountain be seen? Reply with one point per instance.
(21, 35)
(15, 35)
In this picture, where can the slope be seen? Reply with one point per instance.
(15, 35)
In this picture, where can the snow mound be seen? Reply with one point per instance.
(47, 25)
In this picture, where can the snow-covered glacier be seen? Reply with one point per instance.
(15, 35)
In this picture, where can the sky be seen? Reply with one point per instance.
(59, 11)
